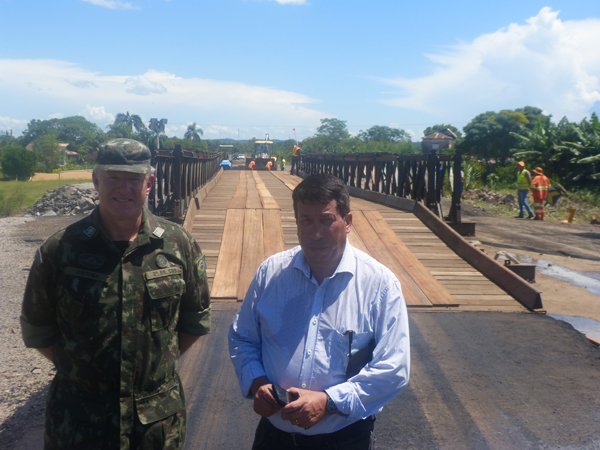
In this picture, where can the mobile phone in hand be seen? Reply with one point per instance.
(281, 396)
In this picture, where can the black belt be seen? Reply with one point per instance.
(319, 440)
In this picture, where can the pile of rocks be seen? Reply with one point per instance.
(489, 196)
(69, 200)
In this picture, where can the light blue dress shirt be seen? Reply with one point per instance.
(293, 331)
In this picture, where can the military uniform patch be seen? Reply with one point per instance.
(158, 232)
(90, 261)
(161, 261)
(89, 231)
(201, 266)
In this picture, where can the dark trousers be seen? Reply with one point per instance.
(296, 164)
(358, 436)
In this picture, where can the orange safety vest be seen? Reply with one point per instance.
(295, 150)
(540, 185)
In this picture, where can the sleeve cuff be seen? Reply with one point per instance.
(195, 323)
(38, 336)
(251, 372)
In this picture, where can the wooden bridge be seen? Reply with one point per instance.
(246, 216)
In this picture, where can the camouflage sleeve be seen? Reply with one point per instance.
(38, 313)
(195, 310)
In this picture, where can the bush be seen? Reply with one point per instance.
(18, 162)
(12, 204)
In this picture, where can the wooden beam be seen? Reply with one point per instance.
(227, 273)
(253, 249)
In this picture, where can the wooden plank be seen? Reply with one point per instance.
(267, 200)
(413, 295)
(252, 199)
(272, 232)
(225, 283)
(253, 249)
(435, 292)
(241, 192)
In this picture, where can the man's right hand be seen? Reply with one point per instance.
(264, 402)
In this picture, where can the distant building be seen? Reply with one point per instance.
(438, 141)
(62, 149)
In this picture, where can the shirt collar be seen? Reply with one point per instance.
(346, 264)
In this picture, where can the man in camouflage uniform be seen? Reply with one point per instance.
(113, 300)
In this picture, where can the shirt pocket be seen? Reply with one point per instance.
(160, 405)
(165, 287)
(341, 350)
(81, 292)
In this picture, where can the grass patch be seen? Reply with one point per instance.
(586, 206)
(16, 197)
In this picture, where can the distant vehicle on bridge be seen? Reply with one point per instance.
(263, 154)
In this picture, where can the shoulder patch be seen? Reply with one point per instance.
(158, 232)
(201, 264)
(89, 231)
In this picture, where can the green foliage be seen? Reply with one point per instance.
(383, 134)
(75, 131)
(334, 129)
(48, 152)
(193, 133)
(473, 173)
(441, 129)
(18, 162)
(18, 196)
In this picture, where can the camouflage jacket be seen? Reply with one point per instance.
(113, 316)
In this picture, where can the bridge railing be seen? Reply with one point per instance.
(415, 177)
(179, 176)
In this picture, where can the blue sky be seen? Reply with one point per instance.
(244, 68)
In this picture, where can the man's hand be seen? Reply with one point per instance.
(308, 410)
(264, 402)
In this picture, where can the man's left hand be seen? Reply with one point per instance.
(307, 410)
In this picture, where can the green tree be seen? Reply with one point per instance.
(334, 129)
(193, 132)
(383, 133)
(75, 131)
(48, 152)
(132, 121)
(18, 162)
(489, 135)
(441, 129)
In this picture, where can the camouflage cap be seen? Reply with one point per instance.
(124, 155)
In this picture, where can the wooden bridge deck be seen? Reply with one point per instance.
(249, 216)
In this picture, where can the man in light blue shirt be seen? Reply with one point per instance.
(328, 324)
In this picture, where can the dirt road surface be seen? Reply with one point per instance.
(478, 380)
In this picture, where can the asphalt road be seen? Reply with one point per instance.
(478, 380)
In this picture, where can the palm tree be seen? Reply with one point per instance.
(132, 121)
(193, 132)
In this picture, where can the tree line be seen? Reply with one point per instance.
(569, 152)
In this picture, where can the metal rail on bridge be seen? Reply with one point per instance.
(415, 177)
(179, 176)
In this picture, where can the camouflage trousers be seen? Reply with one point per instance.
(83, 422)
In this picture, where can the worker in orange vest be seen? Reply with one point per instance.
(269, 165)
(539, 189)
(251, 165)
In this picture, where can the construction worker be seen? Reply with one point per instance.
(296, 157)
(269, 165)
(539, 189)
(523, 186)
(282, 164)
(251, 165)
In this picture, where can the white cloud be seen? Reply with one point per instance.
(546, 63)
(53, 85)
(141, 85)
(112, 4)
(292, 2)
(8, 124)
(97, 114)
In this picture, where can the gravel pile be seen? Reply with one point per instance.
(489, 196)
(68, 200)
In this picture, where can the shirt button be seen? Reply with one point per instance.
(310, 352)
(303, 385)
(320, 289)
(315, 322)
